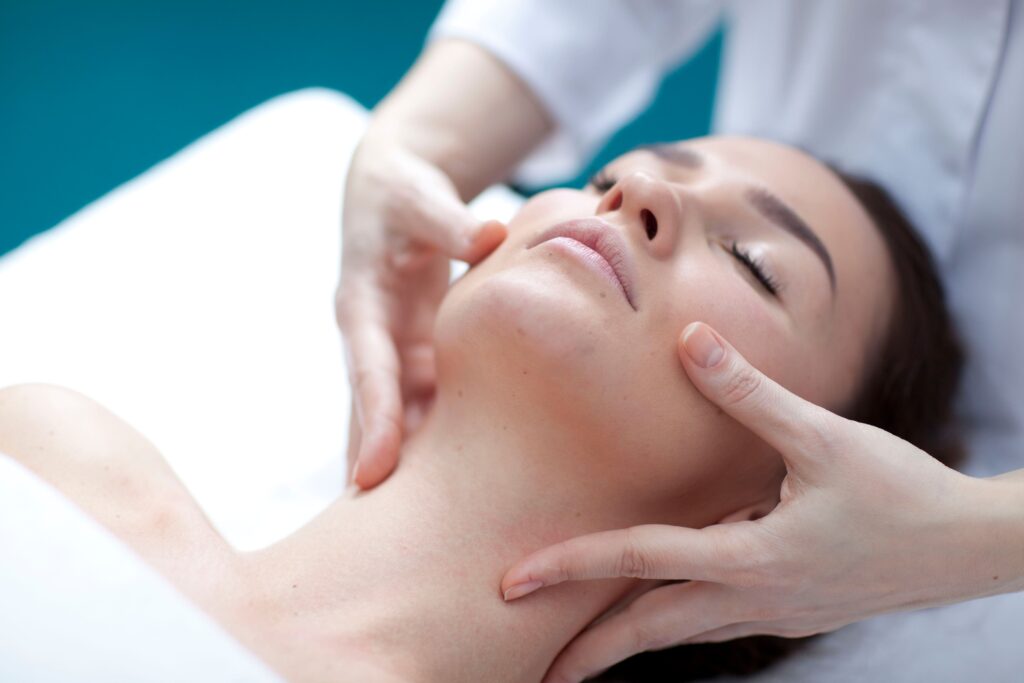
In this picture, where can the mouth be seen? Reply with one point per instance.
(598, 244)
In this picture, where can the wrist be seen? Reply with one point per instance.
(996, 534)
(474, 128)
(429, 141)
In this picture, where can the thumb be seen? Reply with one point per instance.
(448, 224)
(788, 423)
(483, 239)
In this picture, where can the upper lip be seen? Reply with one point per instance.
(602, 238)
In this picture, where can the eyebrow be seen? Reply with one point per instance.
(677, 154)
(766, 203)
(779, 213)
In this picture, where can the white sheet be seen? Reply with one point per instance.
(78, 605)
(196, 302)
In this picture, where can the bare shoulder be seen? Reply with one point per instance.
(115, 475)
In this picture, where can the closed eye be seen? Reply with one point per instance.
(602, 181)
(756, 267)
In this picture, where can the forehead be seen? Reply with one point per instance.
(802, 181)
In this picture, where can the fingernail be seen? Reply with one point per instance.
(702, 346)
(355, 473)
(521, 589)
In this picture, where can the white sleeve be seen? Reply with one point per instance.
(593, 64)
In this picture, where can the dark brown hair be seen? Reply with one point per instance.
(908, 391)
(911, 387)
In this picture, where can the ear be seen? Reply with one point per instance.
(751, 513)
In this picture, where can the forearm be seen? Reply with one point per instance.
(464, 111)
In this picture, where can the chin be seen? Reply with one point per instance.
(540, 310)
(530, 323)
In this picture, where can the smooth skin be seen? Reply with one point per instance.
(805, 568)
(836, 550)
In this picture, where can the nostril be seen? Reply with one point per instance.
(650, 223)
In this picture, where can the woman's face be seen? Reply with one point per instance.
(755, 238)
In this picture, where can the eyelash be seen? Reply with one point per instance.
(756, 267)
(602, 181)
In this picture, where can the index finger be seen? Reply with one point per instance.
(661, 618)
(649, 551)
(374, 370)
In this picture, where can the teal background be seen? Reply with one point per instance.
(94, 93)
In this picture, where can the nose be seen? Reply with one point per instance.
(650, 208)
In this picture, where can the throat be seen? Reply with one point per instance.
(407, 575)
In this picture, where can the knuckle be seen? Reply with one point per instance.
(742, 386)
(362, 379)
(371, 384)
(818, 432)
(753, 562)
(347, 313)
(632, 561)
(564, 569)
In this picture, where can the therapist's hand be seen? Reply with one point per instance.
(433, 142)
(402, 222)
(867, 524)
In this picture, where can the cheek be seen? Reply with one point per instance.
(790, 350)
(701, 291)
(707, 291)
(684, 444)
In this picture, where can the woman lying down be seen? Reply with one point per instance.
(561, 409)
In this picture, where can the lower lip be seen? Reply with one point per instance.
(590, 258)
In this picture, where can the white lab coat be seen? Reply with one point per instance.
(925, 96)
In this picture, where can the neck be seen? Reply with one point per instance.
(408, 573)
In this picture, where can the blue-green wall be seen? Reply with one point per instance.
(94, 93)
